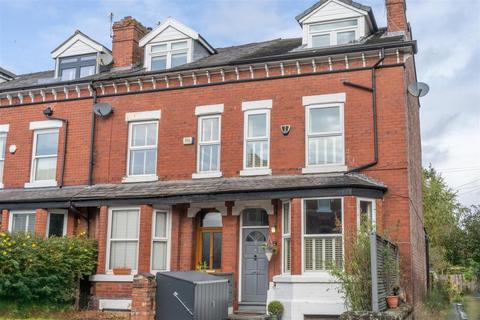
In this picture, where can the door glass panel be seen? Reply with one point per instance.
(206, 248)
(217, 250)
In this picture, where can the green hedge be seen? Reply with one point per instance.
(34, 269)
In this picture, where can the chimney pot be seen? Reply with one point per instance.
(126, 36)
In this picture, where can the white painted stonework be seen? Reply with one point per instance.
(306, 295)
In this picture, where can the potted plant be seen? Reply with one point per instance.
(122, 271)
(275, 310)
(270, 247)
(392, 300)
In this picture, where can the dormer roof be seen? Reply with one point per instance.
(80, 39)
(352, 4)
(180, 27)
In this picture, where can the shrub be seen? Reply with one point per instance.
(439, 296)
(275, 308)
(35, 270)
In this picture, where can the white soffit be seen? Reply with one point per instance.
(143, 115)
(324, 98)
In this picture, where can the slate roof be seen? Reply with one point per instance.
(260, 51)
(7, 73)
(347, 2)
(188, 188)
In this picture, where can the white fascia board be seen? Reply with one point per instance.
(324, 98)
(209, 109)
(362, 12)
(77, 37)
(143, 115)
(4, 128)
(46, 124)
(170, 22)
(259, 104)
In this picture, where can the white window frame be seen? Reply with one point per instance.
(141, 177)
(255, 171)
(332, 32)
(3, 133)
(323, 272)
(286, 236)
(320, 168)
(42, 183)
(65, 220)
(109, 236)
(213, 173)
(168, 52)
(374, 211)
(10, 219)
(167, 239)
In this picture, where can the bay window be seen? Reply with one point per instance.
(322, 234)
(123, 238)
(325, 135)
(286, 243)
(366, 212)
(23, 222)
(3, 146)
(57, 223)
(160, 241)
(142, 148)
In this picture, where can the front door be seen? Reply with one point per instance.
(254, 265)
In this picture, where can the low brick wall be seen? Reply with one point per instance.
(403, 312)
(143, 297)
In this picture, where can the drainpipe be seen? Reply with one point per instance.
(92, 136)
(48, 113)
(373, 90)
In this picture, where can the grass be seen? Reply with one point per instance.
(12, 310)
(472, 307)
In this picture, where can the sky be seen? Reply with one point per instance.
(448, 34)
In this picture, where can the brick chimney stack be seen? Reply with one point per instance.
(397, 16)
(126, 35)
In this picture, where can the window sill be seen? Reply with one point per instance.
(205, 175)
(255, 172)
(133, 179)
(41, 184)
(324, 169)
(110, 278)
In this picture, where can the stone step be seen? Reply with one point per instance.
(247, 316)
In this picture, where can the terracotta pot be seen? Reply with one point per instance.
(392, 302)
(122, 271)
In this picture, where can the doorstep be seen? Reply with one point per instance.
(246, 316)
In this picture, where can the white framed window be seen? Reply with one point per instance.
(161, 232)
(142, 149)
(168, 55)
(123, 231)
(57, 223)
(208, 151)
(322, 234)
(324, 135)
(333, 33)
(286, 239)
(23, 221)
(44, 156)
(256, 142)
(3, 147)
(366, 212)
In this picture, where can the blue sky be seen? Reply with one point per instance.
(448, 32)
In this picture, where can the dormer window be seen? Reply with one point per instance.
(168, 55)
(333, 33)
(77, 67)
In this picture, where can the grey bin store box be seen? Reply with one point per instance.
(191, 295)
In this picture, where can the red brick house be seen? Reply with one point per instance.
(208, 153)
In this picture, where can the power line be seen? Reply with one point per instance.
(460, 186)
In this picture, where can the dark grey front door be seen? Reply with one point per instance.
(254, 265)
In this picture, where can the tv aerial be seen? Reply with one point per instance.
(418, 89)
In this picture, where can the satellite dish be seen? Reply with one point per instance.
(418, 89)
(102, 109)
(104, 59)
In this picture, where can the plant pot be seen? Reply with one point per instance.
(269, 255)
(122, 271)
(273, 317)
(392, 302)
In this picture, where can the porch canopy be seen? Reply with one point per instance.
(194, 191)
